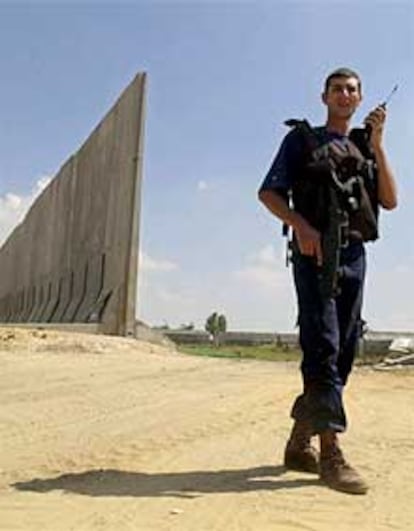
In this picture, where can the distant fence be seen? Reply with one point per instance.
(233, 338)
(74, 257)
(374, 343)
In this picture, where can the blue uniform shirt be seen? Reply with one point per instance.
(289, 160)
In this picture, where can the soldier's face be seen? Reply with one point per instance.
(342, 97)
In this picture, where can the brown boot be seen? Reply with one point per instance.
(299, 453)
(335, 471)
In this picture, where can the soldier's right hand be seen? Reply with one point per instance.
(309, 241)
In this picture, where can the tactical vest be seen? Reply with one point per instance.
(340, 164)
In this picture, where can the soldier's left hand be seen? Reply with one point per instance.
(376, 120)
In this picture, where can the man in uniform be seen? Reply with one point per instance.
(329, 325)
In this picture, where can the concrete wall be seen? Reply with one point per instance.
(74, 258)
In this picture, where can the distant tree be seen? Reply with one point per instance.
(216, 326)
(222, 323)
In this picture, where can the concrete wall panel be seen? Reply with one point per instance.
(93, 289)
(74, 257)
(65, 297)
(52, 305)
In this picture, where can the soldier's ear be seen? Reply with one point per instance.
(323, 97)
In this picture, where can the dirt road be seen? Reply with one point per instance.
(102, 433)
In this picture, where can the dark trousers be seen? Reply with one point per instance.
(329, 331)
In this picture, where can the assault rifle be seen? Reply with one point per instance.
(334, 237)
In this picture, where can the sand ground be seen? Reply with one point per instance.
(103, 433)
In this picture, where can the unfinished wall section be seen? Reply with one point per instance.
(74, 258)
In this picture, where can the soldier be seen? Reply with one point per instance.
(295, 191)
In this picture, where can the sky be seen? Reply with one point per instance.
(222, 78)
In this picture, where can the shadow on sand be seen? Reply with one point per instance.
(178, 484)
